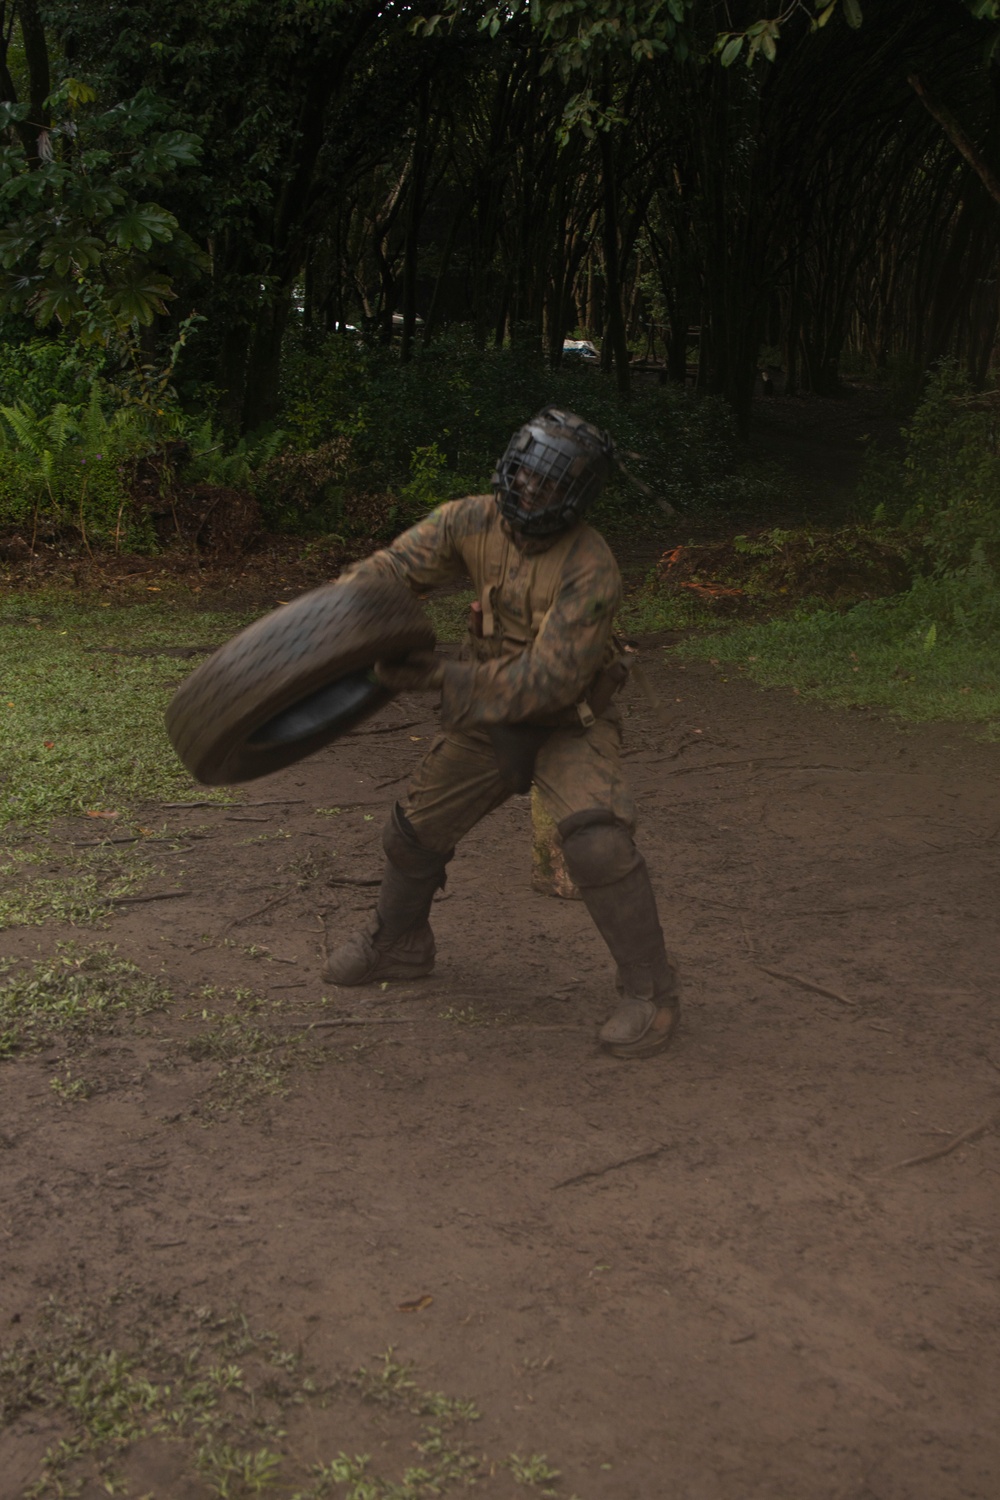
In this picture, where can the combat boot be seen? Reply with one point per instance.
(614, 883)
(398, 944)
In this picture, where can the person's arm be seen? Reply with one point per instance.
(430, 552)
(554, 671)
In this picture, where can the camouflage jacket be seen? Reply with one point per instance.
(546, 617)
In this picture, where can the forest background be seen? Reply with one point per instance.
(296, 271)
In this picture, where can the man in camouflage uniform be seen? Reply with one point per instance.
(530, 699)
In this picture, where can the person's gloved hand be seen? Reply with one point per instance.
(420, 672)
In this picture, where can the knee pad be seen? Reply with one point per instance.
(404, 849)
(598, 849)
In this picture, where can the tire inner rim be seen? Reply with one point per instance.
(330, 708)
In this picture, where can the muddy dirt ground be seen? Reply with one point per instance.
(719, 1274)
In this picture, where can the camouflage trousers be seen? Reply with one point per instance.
(458, 782)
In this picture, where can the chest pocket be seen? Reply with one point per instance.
(514, 608)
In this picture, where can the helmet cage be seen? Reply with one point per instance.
(572, 459)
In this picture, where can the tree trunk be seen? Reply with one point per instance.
(260, 400)
(616, 333)
(418, 182)
(36, 55)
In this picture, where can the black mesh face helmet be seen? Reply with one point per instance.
(554, 468)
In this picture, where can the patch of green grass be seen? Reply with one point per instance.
(80, 888)
(230, 1472)
(80, 991)
(107, 1389)
(254, 1062)
(534, 1470)
(391, 1384)
(81, 722)
(650, 608)
(445, 1464)
(891, 653)
(132, 1373)
(445, 1460)
(13, 860)
(468, 1015)
(70, 1090)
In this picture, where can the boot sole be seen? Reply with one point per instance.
(656, 1038)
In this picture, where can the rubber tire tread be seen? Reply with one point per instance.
(282, 658)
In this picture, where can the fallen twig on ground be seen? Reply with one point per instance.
(238, 921)
(840, 911)
(807, 984)
(972, 1134)
(99, 843)
(614, 1166)
(265, 802)
(353, 880)
(760, 762)
(357, 1021)
(195, 804)
(273, 802)
(153, 896)
(324, 945)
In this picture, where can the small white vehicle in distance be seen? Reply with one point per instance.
(580, 349)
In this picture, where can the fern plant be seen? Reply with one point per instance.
(39, 441)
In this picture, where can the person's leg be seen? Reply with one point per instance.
(581, 782)
(455, 785)
(398, 942)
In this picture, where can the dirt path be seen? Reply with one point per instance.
(703, 1277)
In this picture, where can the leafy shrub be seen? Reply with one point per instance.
(433, 428)
(788, 566)
(304, 490)
(946, 487)
(44, 372)
(214, 460)
(70, 468)
(81, 245)
(430, 483)
(367, 445)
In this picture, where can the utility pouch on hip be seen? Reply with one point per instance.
(516, 748)
(605, 685)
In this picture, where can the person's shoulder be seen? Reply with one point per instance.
(471, 514)
(591, 548)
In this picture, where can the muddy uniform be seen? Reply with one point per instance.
(529, 701)
(546, 652)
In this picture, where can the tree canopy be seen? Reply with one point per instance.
(606, 168)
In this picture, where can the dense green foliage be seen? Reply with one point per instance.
(81, 244)
(433, 428)
(526, 171)
(364, 445)
(69, 467)
(327, 256)
(932, 651)
(945, 486)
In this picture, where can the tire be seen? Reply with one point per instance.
(294, 680)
